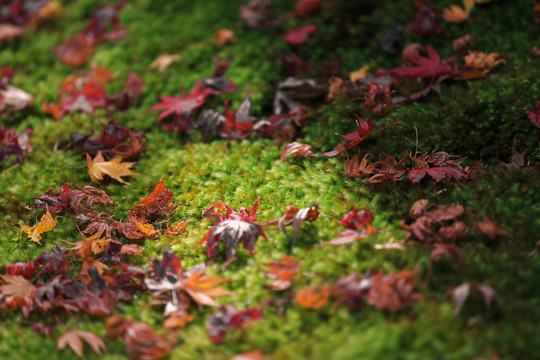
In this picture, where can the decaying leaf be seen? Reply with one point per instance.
(73, 339)
(114, 168)
(47, 223)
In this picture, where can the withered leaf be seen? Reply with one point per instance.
(441, 250)
(47, 223)
(393, 291)
(114, 168)
(73, 339)
(296, 217)
(490, 228)
(202, 288)
(283, 272)
(164, 61)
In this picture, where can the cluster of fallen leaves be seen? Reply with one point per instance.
(95, 275)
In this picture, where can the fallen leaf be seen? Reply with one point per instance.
(461, 44)
(360, 73)
(8, 31)
(418, 208)
(300, 36)
(284, 271)
(313, 297)
(490, 228)
(224, 36)
(164, 61)
(114, 168)
(298, 149)
(454, 14)
(393, 291)
(73, 339)
(202, 288)
(47, 223)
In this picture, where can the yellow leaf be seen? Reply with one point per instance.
(47, 223)
(98, 167)
(468, 4)
(360, 73)
(454, 14)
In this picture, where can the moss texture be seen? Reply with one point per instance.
(476, 119)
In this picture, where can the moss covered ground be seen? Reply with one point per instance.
(480, 119)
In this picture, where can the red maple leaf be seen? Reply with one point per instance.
(300, 36)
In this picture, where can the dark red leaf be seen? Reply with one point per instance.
(300, 36)
(298, 149)
(437, 173)
(227, 317)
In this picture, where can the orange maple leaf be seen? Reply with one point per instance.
(454, 14)
(312, 297)
(98, 167)
(47, 223)
(202, 288)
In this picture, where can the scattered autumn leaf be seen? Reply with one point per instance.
(490, 228)
(283, 272)
(454, 14)
(73, 339)
(47, 223)
(114, 168)
(224, 36)
(164, 61)
(313, 297)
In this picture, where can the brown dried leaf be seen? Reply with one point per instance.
(202, 288)
(283, 271)
(164, 61)
(418, 208)
(490, 228)
(73, 339)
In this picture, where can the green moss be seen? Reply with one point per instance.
(480, 119)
